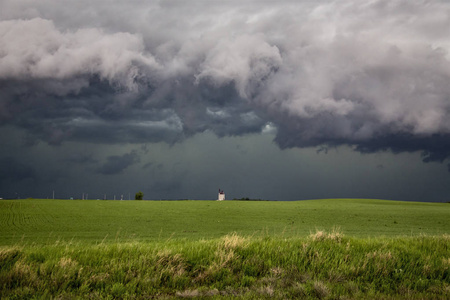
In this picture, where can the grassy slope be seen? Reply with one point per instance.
(46, 221)
(327, 266)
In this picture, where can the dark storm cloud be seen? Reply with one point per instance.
(13, 170)
(81, 159)
(115, 164)
(373, 75)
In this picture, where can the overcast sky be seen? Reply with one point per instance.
(280, 100)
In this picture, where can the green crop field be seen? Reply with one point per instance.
(318, 249)
(93, 221)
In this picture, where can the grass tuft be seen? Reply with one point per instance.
(234, 241)
(335, 235)
(320, 290)
(188, 294)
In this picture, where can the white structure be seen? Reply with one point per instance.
(221, 195)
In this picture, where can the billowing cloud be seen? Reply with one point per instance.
(373, 75)
(35, 49)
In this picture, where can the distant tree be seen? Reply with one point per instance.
(139, 196)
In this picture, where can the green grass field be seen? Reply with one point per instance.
(319, 249)
(93, 221)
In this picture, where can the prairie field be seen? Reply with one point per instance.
(94, 221)
(318, 249)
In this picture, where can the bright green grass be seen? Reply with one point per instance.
(48, 221)
(321, 266)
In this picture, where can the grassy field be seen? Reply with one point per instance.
(320, 266)
(94, 221)
(378, 249)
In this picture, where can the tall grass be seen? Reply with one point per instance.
(324, 265)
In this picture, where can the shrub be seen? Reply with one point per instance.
(139, 196)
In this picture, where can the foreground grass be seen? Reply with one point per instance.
(322, 265)
(49, 221)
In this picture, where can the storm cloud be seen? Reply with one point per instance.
(11, 169)
(372, 75)
(116, 164)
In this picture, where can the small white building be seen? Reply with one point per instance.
(221, 195)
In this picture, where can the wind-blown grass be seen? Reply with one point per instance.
(323, 265)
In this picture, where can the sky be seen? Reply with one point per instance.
(277, 100)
